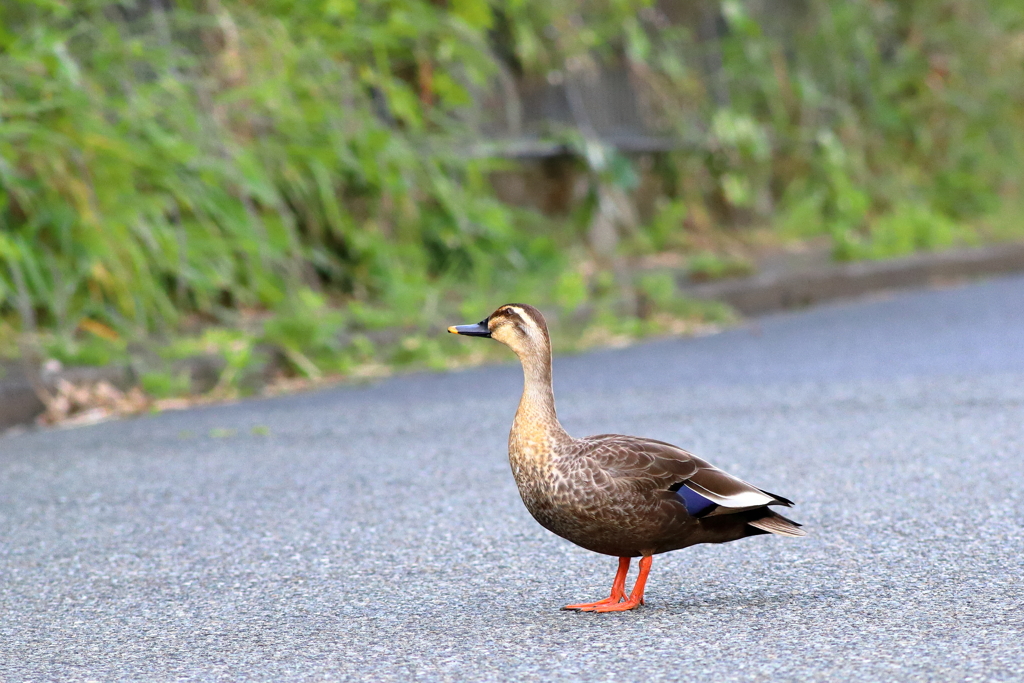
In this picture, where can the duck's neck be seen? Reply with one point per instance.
(536, 417)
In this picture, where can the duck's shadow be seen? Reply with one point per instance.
(748, 601)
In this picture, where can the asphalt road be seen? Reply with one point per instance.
(376, 533)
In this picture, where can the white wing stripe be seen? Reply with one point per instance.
(743, 499)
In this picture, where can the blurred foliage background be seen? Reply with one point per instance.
(237, 175)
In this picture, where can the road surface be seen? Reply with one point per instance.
(375, 533)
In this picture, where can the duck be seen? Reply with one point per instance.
(623, 496)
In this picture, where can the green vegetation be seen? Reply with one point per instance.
(291, 184)
(706, 265)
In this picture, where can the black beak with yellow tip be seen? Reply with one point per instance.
(480, 329)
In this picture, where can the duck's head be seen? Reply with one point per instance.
(518, 326)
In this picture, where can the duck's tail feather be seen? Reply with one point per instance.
(779, 500)
(775, 523)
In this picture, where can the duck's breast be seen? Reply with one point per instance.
(576, 499)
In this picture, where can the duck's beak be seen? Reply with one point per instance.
(478, 330)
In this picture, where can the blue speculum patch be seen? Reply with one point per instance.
(695, 503)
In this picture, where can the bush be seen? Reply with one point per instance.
(230, 159)
(216, 159)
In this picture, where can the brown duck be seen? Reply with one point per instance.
(624, 496)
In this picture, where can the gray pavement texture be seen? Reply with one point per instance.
(376, 534)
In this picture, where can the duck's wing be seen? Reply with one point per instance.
(660, 466)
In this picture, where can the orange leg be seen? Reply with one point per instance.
(618, 589)
(636, 598)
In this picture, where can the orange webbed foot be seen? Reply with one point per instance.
(616, 607)
(617, 595)
(592, 606)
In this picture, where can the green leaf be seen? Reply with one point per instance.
(476, 13)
